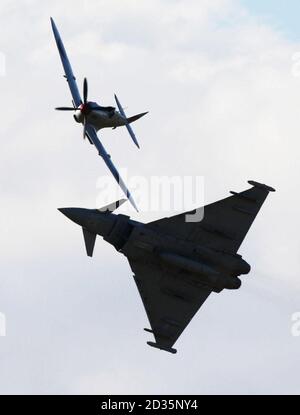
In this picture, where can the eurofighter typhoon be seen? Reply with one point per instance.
(178, 264)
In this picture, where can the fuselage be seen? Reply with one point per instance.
(139, 242)
(107, 117)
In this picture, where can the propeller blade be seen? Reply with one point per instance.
(65, 109)
(85, 90)
(84, 127)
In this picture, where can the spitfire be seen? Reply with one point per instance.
(101, 117)
(94, 117)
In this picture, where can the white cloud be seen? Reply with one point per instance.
(223, 104)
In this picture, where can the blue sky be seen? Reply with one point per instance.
(283, 15)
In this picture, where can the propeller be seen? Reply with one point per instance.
(66, 109)
(84, 127)
(85, 90)
(82, 108)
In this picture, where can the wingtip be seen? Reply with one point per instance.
(133, 204)
(161, 347)
(53, 25)
(261, 186)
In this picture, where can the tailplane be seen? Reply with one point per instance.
(136, 117)
(129, 120)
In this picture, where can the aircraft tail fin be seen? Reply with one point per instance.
(89, 237)
(89, 240)
(136, 117)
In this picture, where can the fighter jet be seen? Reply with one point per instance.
(94, 116)
(176, 263)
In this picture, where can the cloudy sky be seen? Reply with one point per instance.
(221, 79)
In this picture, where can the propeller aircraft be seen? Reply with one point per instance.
(93, 116)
